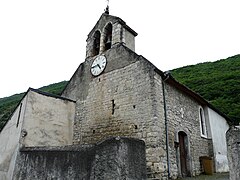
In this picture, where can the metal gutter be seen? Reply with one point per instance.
(165, 78)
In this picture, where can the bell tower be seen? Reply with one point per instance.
(109, 31)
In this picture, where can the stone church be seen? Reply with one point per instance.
(119, 117)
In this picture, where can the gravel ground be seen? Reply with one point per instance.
(223, 176)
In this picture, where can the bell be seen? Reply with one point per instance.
(108, 42)
(97, 45)
(109, 39)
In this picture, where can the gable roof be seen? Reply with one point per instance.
(50, 95)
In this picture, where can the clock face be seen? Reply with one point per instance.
(98, 65)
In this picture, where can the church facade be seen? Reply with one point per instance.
(118, 93)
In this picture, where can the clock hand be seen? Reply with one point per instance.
(99, 66)
(94, 66)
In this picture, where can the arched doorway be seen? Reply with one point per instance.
(184, 154)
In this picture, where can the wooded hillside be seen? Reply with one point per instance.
(218, 82)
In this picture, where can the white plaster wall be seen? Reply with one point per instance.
(9, 138)
(48, 121)
(219, 127)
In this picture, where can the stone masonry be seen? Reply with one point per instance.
(127, 100)
(119, 103)
(233, 145)
(183, 115)
(121, 33)
(115, 158)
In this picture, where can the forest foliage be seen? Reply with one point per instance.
(218, 82)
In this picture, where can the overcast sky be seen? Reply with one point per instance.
(44, 41)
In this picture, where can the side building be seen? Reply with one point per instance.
(39, 120)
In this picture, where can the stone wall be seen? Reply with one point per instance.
(127, 100)
(183, 116)
(233, 146)
(116, 158)
(120, 102)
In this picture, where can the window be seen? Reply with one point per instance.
(202, 123)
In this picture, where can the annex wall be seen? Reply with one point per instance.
(183, 116)
(219, 127)
(48, 121)
(115, 158)
(9, 138)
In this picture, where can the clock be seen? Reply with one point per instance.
(98, 65)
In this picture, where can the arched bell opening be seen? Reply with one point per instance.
(107, 37)
(96, 43)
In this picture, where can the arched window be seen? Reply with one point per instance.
(202, 123)
(96, 43)
(108, 37)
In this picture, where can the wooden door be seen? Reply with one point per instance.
(183, 148)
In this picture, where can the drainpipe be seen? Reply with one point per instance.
(164, 78)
